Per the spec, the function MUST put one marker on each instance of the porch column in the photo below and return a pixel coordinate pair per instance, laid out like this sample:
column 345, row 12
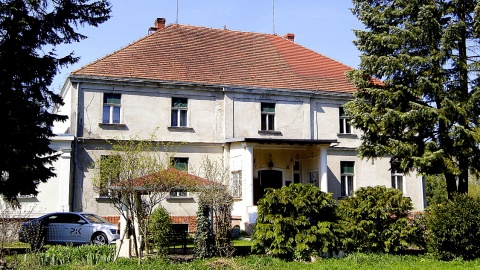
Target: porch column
column 249, row 213
column 323, row 168
column 63, row 176
column 248, row 175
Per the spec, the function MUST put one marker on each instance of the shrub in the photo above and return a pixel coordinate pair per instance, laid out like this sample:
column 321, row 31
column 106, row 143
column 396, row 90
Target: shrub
column 159, row 224
column 204, row 241
column 376, row 219
column 295, row 222
column 453, row 228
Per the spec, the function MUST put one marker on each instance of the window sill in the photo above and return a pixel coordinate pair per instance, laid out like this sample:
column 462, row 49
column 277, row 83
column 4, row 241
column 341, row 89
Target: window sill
column 181, row 129
column 270, row 132
column 348, row 135
column 112, row 125
column 103, row 199
column 180, row 199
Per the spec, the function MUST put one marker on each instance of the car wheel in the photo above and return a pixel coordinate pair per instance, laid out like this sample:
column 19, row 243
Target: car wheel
column 99, row 239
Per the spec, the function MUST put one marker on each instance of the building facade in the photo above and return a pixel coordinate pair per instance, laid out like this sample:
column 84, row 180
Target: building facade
column 269, row 108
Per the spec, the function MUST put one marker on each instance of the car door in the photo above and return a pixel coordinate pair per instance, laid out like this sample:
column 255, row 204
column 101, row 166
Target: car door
column 56, row 230
column 78, row 229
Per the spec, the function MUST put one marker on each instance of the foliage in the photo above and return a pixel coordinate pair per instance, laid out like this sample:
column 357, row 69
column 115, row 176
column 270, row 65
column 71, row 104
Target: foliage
column 158, row 226
column 29, row 33
column 295, row 222
column 425, row 112
column 454, row 228
column 88, row 254
column 376, row 219
column 351, row 261
column 137, row 176
column 215, row 201
column 204, row 241
column 435, row 189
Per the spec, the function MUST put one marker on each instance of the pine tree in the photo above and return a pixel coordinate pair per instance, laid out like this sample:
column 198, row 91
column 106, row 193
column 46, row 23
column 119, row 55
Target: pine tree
column 29, row 32
column 418, row 98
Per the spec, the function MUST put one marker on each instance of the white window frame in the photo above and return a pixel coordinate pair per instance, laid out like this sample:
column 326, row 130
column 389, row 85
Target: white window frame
column 344, row 122
column 236, row 185
column 178, row 111
column 396, row 176
column 347, row 179
column 111, row 107
column 269, row 117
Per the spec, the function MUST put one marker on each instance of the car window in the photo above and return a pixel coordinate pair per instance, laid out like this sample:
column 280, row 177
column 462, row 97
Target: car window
column 95, row 219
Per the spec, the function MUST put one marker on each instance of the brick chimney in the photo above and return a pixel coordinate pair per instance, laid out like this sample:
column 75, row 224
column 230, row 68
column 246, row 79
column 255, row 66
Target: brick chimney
column 159, row 24
column 290, row 37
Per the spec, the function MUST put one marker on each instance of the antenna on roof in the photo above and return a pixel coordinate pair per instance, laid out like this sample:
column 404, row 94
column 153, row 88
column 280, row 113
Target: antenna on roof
column 273, row 8
column 176, row 19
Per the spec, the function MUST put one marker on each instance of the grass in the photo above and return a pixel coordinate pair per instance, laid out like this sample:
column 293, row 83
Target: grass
column 242, row 260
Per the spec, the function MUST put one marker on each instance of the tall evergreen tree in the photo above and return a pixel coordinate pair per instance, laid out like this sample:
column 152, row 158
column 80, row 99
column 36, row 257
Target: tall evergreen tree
column 418, row 99
column 29, row 32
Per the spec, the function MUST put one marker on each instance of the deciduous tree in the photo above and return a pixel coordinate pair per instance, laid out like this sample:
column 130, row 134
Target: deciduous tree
column 418, row 95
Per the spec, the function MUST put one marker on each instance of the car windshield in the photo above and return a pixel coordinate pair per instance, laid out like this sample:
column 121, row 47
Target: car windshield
column 95, row 219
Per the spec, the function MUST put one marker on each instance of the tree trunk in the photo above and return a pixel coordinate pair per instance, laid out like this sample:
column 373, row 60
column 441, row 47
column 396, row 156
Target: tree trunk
column 451, row 185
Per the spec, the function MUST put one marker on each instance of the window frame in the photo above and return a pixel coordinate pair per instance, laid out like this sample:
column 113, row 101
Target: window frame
column 344, row 122
column 395, row 183
column 347, row 178
column 111, row 108
column 179, row 112
column 267, row 118
column 236, row 185
column 102, row 160
column 179, row 193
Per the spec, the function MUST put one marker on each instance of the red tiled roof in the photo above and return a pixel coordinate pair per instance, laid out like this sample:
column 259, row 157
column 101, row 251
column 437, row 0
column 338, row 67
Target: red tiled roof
column 171, row 178
column 189, row 54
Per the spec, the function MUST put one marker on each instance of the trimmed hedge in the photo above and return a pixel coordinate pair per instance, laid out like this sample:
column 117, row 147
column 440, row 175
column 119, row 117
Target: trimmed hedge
column 295, row 222
column 376, row 219
column 454, row 228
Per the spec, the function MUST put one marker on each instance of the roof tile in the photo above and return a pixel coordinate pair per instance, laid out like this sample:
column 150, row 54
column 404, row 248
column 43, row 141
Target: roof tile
column 181, row 53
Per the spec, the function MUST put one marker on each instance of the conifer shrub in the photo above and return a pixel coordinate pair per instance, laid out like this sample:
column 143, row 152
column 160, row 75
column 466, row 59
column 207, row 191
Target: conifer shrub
column 204, row 240
column 376, row 219
column 453, row 228
column 295, row 222
column 159, row 224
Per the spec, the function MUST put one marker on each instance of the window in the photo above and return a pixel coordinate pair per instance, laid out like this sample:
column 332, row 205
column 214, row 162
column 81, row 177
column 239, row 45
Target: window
column 180, row 164
column 268, row 116
column 312, row 178
column 397, row 180
column 347, row 173
column 179, row 112
column 109, row 173
column 236, row 188
column 111, row 108
column 344, row 122
column 296, row 172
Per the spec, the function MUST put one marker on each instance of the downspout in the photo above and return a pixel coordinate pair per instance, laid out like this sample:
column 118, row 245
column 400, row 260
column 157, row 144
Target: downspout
column 74, row 153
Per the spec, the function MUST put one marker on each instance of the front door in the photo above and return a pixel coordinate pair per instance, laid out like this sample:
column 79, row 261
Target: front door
column 266, row 179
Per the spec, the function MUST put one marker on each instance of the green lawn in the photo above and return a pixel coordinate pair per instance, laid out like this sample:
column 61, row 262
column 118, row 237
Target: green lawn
column 244, row 260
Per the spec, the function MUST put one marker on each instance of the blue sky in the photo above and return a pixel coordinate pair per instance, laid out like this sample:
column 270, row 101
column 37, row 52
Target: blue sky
column 324, row 26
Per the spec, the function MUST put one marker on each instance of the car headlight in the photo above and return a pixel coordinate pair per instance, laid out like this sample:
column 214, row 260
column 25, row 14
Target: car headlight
column 113, row 231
